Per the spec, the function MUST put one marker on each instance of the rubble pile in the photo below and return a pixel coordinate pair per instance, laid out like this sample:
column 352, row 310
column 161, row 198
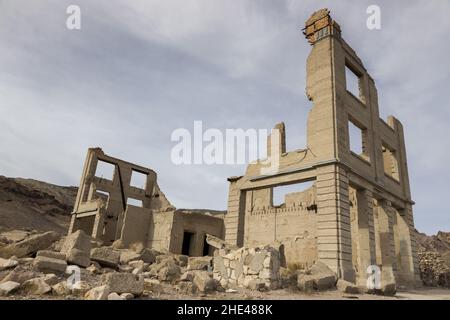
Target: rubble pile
column 433, row 269
column 45, row 265
column 434, row 259
column 253, row 268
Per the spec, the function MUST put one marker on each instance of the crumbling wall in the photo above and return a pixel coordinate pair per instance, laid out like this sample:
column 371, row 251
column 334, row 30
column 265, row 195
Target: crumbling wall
column 292, row 225
column 253, row 268
column 160, row 230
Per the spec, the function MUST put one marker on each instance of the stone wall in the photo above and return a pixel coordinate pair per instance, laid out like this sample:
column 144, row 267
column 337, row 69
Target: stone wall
column 254, row 268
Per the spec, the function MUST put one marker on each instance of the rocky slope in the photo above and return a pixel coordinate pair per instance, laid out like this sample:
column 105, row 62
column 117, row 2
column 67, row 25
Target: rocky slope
column 35, row 205
column 434, row 258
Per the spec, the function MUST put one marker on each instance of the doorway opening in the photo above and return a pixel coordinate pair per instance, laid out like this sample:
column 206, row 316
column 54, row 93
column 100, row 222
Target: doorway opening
column 187, row 243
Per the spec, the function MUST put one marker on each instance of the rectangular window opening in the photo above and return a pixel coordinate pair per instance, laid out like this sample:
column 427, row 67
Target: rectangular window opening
column 353, row 82
column 357, row 140
column 105, row 170
column 390, row 162
column 138, row 179
column 135, row 202
column 283, row 195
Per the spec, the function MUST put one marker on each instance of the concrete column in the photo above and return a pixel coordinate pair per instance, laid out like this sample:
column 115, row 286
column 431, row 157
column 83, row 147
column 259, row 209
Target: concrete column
column 334, row 242
column 365, row 235
column 384, row 242
column 235, row 217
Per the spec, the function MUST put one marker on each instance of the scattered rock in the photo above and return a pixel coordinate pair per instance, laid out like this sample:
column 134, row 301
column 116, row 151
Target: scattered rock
column 170, row 273
column 204, row 282
column 149, row 255
column 115, row 296
column 305, row 283
column 153, row 285
column 389, row 289
column 8, row 287
column 324, row 277
column 127, row 256
column 50, row 265
column 36, row 286
column 7, row 264
column 14, row 235
column 98, row 293
column 127, row 296
column 187, row 276
column 51, row 254
column 433, row 269
column 29, row 245
column 50, row 279
column 61, row 289
column 20, row 275
column 215, row 242
column 186, row 287
column 106, row 256
column 94, row 268
column 347, row 287
column 126, row 268
column 181, row 260
column 138, row 266
column 200, row 263
column 124, row 283
column 80, row 288
column 77, row 248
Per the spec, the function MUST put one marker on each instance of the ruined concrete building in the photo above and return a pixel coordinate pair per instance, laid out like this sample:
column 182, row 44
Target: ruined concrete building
column 117, row 209
column 358, row 211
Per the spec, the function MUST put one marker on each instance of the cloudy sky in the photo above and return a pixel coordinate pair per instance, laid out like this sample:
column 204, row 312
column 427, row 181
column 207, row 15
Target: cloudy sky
column 139, row 69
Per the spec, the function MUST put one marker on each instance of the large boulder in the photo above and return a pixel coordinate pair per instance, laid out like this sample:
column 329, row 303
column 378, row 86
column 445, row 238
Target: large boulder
column 20, row 274
column 61, row 289
column 347, row 287
column 29, row 245
column 98, row 293
column 14, row 235
column 128, row 255
column 8, row 287
column 7, row 264
column 324, row 277
column 169, row 273
column 305, row 283
column 149, row 255
column 204, row 282
column 50, row 262
column 36, row 286
column 153, row 285
column 115, row 296
column 77, row 248
column 124, row 283
column 200, row 263
column 106, row 257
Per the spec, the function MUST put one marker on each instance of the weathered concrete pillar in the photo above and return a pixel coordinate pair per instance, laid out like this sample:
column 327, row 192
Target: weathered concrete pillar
column 365, row 235
column 384, row 242
column 333, row 221
column 406, row 249
column 235, row 217
column 278, row 136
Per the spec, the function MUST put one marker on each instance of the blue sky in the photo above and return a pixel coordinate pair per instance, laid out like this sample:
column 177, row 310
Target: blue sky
column 137, row 70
